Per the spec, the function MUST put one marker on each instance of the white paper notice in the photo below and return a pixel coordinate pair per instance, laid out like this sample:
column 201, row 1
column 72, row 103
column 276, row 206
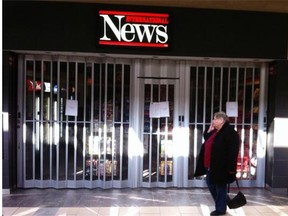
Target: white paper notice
column 159, row 109
column 154, row 112
column 232, row 109
column 164, row 109
column 71, row 108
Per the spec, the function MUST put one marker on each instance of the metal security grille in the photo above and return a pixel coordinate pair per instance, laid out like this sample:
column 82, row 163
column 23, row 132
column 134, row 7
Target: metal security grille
column 76, row 120
column 76, row 114
column 210, row 89
column 158, row 135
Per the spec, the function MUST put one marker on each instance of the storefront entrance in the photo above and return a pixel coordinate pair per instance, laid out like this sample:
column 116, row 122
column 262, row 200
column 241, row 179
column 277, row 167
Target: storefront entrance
column 115, row 123
column 158, row 140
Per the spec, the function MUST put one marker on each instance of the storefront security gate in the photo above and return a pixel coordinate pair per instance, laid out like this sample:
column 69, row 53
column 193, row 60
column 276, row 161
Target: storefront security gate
column 75, row 119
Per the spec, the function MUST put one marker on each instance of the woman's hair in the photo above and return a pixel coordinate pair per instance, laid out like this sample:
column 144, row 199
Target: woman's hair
column 222, row 115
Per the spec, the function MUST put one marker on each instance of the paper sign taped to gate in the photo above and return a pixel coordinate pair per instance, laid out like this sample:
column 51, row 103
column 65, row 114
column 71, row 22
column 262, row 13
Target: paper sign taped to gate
column 232, row 109
column 71, row 108
column 159, row 109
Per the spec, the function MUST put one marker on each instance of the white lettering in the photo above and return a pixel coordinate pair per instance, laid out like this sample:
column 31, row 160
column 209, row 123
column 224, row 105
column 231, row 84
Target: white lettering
column 152, row 30
column 127, row 29
column 112, row 26
column 161, row 32
column 146, row 31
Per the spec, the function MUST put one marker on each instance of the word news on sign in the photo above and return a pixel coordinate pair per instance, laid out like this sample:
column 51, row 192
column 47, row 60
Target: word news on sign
column 134, row 29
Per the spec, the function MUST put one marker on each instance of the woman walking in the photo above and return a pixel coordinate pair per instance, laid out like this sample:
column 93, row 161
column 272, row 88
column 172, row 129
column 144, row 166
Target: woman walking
column 218, row 159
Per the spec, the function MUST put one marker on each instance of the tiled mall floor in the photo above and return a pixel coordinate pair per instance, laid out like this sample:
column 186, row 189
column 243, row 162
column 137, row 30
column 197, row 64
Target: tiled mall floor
column 139, row 202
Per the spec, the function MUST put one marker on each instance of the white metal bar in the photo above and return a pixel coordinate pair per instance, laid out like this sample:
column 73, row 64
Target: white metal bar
column 67, row 126
column 25, row 121
column 122, row 121
column 166, row 135
column 41, row 121
column 100, row 118
column 237, row 92
column 212, row 93
column 113, row 124
column 91, row 140
column 228, row 83
column 75, row 122
column 196, row 115
column 221, row 89
column 196, row 96
column 158, row 136
column 150, row 137
column 204, row 98
column 51, row 121
column 59, row 132
column 84, row 121
column 34, row 117
column 105, row 121
column 243, row 122
column 251, row 132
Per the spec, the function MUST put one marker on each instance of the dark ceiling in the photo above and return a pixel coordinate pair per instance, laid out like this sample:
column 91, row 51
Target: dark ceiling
column 279, row 6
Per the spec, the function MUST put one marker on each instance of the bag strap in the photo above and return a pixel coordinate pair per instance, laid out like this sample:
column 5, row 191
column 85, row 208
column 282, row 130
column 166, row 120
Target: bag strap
column 237, row 186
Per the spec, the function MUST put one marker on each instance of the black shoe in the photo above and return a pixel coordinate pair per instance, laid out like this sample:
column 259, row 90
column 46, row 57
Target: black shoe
column 217, row 213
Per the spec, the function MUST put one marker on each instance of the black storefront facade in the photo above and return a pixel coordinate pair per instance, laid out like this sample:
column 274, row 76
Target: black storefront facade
column 115, row 96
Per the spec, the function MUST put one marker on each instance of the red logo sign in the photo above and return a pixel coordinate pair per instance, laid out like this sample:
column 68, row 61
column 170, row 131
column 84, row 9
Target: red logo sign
column 134, row 29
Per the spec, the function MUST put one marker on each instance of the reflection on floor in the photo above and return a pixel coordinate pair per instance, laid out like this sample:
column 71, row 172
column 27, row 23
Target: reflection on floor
column 139, row 202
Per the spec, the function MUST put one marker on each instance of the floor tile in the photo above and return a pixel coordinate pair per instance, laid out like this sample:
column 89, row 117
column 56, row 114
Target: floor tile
column 135, row 202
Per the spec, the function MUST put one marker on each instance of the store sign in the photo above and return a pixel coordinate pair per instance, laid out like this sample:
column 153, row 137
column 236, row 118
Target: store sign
column 134, row 29
column 37, row 86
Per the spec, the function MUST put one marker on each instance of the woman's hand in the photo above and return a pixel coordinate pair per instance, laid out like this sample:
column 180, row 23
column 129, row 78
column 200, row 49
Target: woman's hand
column 211, row 128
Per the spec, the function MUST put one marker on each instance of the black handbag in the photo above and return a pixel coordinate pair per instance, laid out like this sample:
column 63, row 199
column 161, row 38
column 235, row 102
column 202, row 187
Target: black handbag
column 238, row 201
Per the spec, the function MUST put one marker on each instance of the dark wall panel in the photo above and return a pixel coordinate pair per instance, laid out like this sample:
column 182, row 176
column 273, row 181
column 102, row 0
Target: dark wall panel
column 56, row 26
column 10, row 106
column 276, row 158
